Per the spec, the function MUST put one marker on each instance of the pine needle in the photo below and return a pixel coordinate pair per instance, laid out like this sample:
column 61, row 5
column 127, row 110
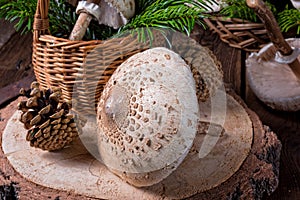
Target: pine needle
column 239, row 9
column 179, row 15
column 288, row 19
column 19, row 12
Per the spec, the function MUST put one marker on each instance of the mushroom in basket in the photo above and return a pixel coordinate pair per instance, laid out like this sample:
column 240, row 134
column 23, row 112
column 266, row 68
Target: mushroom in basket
column 113, row 13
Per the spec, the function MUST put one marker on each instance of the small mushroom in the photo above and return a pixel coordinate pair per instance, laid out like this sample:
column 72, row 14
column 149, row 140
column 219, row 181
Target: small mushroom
column 147, row 117
column 23, row 92
column 35, row 120
column 57, row 114
column 55, row 97
column 27, row 116
column 274, row 72
column 113, row 13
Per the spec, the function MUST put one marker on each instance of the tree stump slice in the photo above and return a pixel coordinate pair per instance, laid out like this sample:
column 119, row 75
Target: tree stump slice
column 75, row 170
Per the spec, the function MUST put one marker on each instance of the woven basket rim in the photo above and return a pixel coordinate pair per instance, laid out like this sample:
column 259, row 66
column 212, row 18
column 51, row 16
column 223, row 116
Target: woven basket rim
column 239, row 33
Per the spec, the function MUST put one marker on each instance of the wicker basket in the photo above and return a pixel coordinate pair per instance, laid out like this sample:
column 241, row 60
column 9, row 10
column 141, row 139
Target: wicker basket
column 238, row 33
column 61, row 62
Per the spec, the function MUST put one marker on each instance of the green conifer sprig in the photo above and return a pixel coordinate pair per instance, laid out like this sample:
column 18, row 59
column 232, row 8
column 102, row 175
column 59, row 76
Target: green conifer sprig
column 62, row 17
column 239, row 9
column 288, row 19
column 21, row 12
column 178, row 15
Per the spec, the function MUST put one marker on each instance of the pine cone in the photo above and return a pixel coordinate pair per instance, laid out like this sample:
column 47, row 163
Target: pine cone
column 46, row 117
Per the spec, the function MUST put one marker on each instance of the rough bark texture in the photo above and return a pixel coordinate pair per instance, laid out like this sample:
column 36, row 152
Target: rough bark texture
column 286, row 126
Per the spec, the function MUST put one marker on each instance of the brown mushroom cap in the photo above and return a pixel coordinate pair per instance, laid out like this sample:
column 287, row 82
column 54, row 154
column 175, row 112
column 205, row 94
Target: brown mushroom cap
column 273, row 83
column 147, row 114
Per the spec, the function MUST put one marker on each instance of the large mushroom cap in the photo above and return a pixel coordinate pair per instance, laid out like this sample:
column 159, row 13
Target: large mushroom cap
column 147, row 115
column 273, row 83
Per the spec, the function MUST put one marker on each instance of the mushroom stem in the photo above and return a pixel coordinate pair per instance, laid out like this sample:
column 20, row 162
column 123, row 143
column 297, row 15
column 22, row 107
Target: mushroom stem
column 274, row 32
column 82, row 23
column 80, row 27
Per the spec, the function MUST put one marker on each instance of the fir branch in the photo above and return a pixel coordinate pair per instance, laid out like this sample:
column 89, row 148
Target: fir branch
column 62, row 17
column 19, row 12
column 178, row 15
column 141, row 5
column 239, row 9
column 288, row 19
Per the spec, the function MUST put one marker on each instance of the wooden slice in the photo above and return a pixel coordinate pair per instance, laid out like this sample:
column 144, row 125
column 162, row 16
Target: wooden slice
column 243, row 163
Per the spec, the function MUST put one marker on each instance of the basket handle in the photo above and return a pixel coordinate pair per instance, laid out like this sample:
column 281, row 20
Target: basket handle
column 41, row 21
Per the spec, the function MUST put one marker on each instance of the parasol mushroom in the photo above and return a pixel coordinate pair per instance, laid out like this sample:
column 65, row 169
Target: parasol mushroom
column 147, row 116
column 113, row 13
column 274, row 72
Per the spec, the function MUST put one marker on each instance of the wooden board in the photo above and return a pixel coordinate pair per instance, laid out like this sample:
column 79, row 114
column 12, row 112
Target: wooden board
column 86, row 176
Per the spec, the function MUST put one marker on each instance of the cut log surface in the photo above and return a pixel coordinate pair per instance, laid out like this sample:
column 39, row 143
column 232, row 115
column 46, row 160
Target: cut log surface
column 74, row 171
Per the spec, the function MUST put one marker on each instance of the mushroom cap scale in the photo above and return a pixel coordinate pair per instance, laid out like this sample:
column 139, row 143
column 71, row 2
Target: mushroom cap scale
column 147, row 114
column 125, row 7
column 116, row 13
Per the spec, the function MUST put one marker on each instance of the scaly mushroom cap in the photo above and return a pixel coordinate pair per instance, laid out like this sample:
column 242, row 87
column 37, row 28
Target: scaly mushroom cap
column 116, row 13
column 147, row 116
column 272, row 82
